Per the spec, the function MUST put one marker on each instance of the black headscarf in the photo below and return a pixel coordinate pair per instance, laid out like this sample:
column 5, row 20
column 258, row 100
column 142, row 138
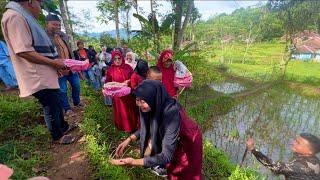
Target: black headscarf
column 152, row 123
column 142, row 68
column 313, row 140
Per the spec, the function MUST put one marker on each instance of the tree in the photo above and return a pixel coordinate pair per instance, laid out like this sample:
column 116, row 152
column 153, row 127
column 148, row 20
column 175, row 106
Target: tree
column 136, row 7
column 195, row 15
column 292, row 14
column 107, row 40
column 152, row 29
column 153, row 19
column 182, row 8
column 66, row 22
column 125, row 10
column 109, row 10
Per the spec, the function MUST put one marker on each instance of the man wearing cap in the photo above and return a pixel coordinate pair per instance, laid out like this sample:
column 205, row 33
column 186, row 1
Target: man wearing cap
column 60, row 39
column 35, row 62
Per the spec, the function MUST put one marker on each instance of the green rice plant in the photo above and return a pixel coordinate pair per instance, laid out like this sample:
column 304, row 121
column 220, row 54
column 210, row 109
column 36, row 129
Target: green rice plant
column 244, row 174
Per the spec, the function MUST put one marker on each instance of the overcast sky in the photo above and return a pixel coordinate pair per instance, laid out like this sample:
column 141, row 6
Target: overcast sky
column 206, row 8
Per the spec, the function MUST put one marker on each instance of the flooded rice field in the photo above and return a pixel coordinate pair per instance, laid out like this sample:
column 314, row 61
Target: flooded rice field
column 227, row 87
column 274, row 117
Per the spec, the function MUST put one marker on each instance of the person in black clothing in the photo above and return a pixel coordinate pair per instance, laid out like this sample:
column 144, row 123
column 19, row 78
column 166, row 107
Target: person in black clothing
column 82, row 54
column 61, row 41
column 92, row 54
column 304, row 166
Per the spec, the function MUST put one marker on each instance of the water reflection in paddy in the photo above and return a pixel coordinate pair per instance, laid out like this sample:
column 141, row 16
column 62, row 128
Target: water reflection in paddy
column 283, row 116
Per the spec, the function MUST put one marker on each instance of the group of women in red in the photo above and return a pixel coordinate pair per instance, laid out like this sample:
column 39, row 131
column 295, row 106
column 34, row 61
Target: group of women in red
column 151, row 114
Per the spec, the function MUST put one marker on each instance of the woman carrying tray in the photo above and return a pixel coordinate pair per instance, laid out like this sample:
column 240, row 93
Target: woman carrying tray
column 125, row 112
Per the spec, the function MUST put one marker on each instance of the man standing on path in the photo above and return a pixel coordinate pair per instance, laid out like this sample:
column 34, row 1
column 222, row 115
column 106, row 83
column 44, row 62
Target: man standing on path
column 7, row 73
column 34, row 60
column 60, row 40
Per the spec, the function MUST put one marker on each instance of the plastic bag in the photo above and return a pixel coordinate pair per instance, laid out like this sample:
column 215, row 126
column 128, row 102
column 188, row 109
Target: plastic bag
column 182, row 77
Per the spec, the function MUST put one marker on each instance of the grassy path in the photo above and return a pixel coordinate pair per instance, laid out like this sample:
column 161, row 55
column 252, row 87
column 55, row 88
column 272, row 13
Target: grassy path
column 70, row 161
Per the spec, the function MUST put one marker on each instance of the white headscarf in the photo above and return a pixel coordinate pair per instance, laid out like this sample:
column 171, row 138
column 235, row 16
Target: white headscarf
column 133, row 63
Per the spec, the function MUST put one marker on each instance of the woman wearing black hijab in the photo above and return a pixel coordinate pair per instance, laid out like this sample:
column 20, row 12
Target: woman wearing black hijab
column 140, row 73
column 168, row 138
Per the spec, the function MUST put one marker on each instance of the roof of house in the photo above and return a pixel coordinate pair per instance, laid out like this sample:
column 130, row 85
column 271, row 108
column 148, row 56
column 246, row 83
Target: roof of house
column 308, row 43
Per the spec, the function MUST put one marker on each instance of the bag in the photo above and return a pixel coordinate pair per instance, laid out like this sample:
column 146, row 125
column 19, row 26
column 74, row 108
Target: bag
column 182, row 77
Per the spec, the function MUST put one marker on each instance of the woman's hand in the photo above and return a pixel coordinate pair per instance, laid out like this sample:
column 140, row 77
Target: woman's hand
column 117, row 162
column 126, row 82
column 122, row 162
column 127, row 162
column 250, row 144
column 121, row 147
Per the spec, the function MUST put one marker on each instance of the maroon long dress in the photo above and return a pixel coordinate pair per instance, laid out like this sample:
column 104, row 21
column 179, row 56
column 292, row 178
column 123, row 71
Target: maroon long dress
column 167, row 74
column 187, row 159
column 125, row 111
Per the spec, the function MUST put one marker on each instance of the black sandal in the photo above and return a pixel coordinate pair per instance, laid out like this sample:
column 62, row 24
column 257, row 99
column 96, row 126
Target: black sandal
column 71, row 128
column 66, row 139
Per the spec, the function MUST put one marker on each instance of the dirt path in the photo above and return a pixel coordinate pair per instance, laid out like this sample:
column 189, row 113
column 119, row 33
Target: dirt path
column 70, row 161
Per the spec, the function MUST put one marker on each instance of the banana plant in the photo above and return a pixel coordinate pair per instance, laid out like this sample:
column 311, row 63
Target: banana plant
column 181, row 54
column 156, row 31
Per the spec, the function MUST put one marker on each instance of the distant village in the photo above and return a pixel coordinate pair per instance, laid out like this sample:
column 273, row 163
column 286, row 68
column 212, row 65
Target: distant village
column 307, row 46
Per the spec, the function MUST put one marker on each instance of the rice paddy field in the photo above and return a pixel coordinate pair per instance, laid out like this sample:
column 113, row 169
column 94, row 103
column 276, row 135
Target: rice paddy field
column 274, row 115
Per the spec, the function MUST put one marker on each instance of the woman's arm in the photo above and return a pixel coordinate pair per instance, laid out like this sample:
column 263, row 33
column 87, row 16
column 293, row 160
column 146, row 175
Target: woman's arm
column 124, row 144
column 137, row 134
column 169, row 142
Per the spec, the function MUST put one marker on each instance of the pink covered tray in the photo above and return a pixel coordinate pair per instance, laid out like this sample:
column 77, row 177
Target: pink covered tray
column 115, row 89
column 77, row 66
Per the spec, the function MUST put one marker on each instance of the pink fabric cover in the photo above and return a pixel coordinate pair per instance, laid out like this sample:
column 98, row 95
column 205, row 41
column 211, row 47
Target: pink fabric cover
column 115, row 89
column 186, row 81
column 5, row 172
column 77, row 66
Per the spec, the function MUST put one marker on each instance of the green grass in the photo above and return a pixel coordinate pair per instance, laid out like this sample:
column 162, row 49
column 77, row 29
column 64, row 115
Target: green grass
column 217, row 165
column 23, row 141
column 258, row 53
column 262, row 62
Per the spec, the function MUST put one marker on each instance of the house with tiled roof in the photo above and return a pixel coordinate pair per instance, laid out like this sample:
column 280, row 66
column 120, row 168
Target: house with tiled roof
column 307, row 47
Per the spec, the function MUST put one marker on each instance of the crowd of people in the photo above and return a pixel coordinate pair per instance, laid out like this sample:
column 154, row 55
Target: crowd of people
column 170, row 141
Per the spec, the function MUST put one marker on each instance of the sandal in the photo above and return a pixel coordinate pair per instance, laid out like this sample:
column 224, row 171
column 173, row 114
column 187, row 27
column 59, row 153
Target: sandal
column 71, row 128
column 66, row 139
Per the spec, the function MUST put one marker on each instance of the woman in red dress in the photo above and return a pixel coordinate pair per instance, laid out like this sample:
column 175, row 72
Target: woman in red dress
column 140, row 74
column 125, row 112
column 165, row 64
column 168, row 137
